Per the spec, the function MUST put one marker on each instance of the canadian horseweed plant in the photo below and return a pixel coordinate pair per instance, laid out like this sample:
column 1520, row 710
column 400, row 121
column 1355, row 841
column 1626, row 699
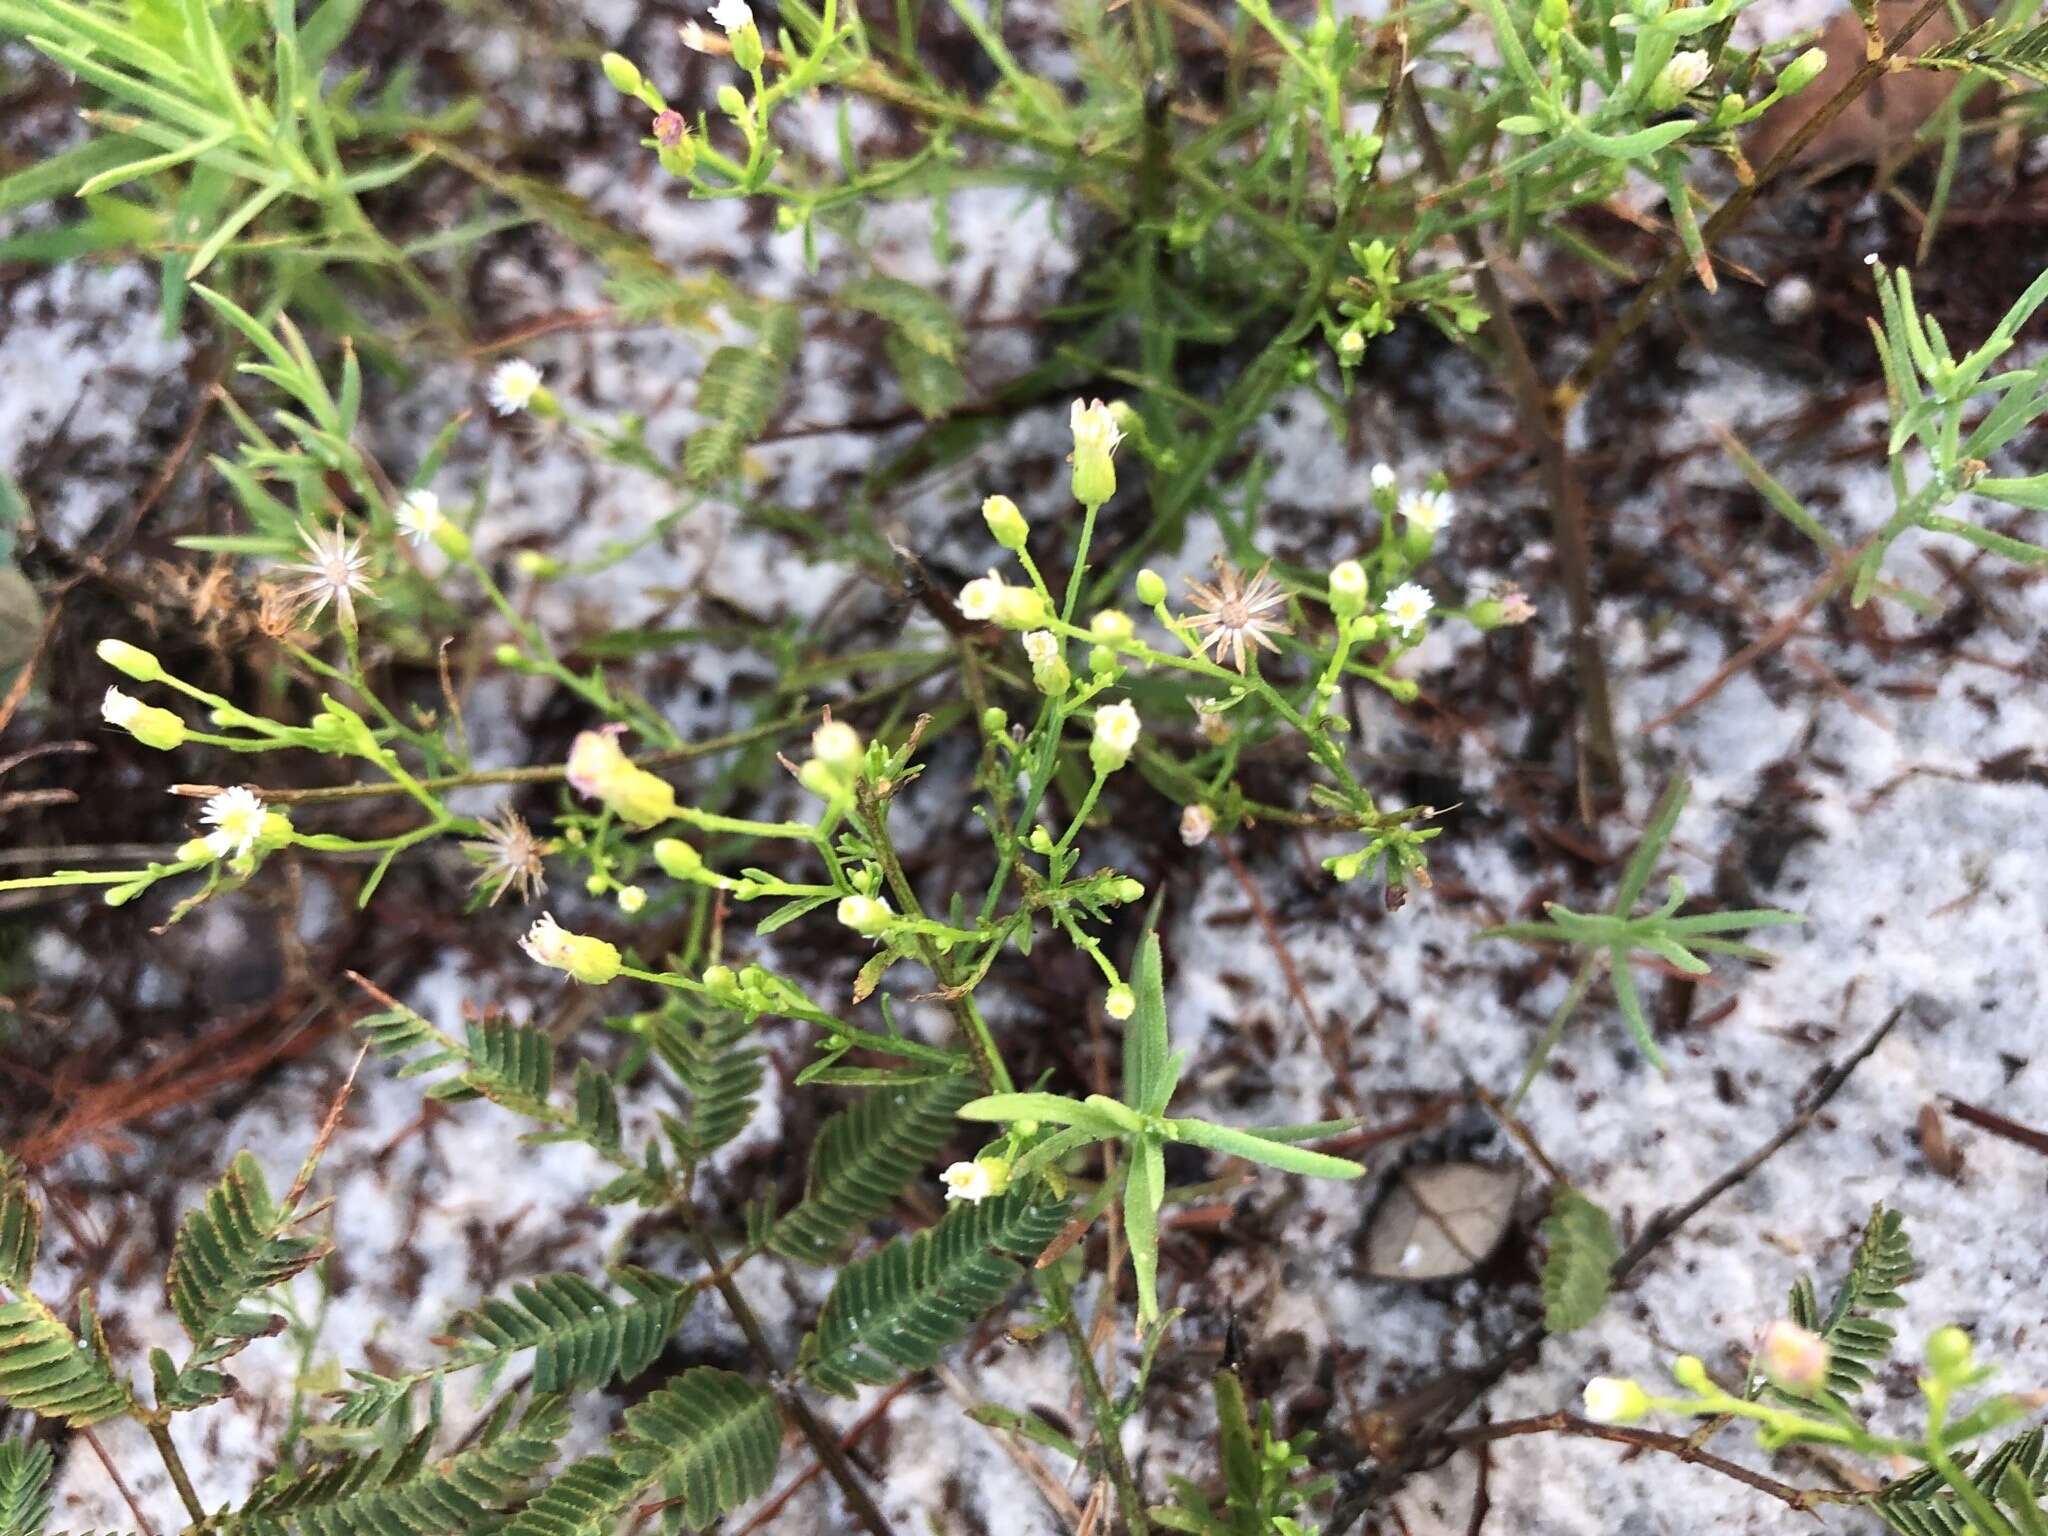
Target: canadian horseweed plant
column 1266, row 218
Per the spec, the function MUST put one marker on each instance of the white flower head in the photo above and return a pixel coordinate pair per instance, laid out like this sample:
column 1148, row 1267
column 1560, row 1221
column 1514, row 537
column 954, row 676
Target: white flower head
column 419, row 516
column 1196, row 823
column 1383, row 477
column 732, row 15
column 1042, row 647
column 514, row 383
column 982, row 598
column 1686, row 71
column 331, row 572
column 1117, row 726
column 837, row 743
column 547, row 941
column 1428, row 511
column 120, row 709
column 1614, row 1400
column 236, row 816
column 1407, row 606
column 971, row 1182
column 865, row 915
column 1095, row 429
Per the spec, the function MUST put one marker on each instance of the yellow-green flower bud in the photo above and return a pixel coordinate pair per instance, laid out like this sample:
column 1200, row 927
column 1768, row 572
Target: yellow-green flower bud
column 838, row 745
column 1022, row 608
column 732, row 103
column 153, row 727
column 591, row 961
column 536, row 566
column 1116, row 735
column 720, row 979
column 1005, row 523
column 865, row 915
column 1121, row 1002
column 678, row 860
column 1096, row 435
column 1802, row 72
column 623, row 73
column 130, row 659
column 1111, row 626
column 1949, row 1354
column 1348, row 589
column 1151, row 588
column 1615, row 1400
column 1126, row 890
column 1101, row 660
column 747, row 51
column 995, row 720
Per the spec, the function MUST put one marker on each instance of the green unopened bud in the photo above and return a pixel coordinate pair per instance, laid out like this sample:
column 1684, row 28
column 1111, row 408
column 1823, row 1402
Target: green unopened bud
column 506, row 654
column 591, row 961
column 1615, row 1400
column 1348, row 589
column 1040, row 841
column 995, row 720
column 1802, row 72
column 678, row 860
column 132, row 660
column 732, row 103
column 1126, row 890
column 623, row 73
column 1101, row 660
column 1096, row 434
column 1022, row 608
column 1552, row 17
column 1005, row 523
column 1684, row 74
column 822, row 779
column 865, row 915
column 1690, row 1372
column 1111, row 626
column 1949, row 1354
column 153, row 727
column 535, row 566
column 720, row 979
column 1151, row 588
column 747, row 51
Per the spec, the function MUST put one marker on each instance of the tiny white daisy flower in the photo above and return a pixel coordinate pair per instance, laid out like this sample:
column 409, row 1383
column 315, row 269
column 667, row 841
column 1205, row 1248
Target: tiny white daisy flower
column 419, row 516
column 1686, row 72
column 1383, row 477
column 120, row 709
column 1407, row 606
column 982, row 598
column 1042, row 647
column 1094, row 427
column 236, row 816
column 331, row 572
column 732, row 15
column 1428, row 511
column 1120, row 1002
column 1116, row 734
column 976, row 1181
column 514, row 383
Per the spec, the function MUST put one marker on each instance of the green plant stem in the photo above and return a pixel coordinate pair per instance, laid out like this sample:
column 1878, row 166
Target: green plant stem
column 159, row 1428
column 1100, row 1408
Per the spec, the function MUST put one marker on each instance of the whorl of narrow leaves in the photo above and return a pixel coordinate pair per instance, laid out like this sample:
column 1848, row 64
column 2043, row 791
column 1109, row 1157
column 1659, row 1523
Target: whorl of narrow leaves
column 231, row 1248
column 581, row 1338
column 46, row 1370
column 1582, row 1252
column 863, row 1158
column 401, row 1492
column 720, row 1075
column 1859, row 1343
column 21, row 1227
column 896, row 1310
column 738, row 393
column 2014, row 1477
column 24, row 1488
column 2013, row 49
column 711, row 1437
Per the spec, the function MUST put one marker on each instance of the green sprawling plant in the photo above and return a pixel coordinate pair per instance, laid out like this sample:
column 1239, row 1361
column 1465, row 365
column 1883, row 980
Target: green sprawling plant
column 1264, row 215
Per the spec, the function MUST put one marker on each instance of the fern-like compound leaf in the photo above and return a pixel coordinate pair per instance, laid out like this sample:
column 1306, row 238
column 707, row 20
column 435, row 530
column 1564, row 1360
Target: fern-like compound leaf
column 233, row 1247
column 1582, row 1253
column 47, row 1370
column 709, row 1437
column 738, row 393
column 404, row 1492
column 2010, row 1477
column 1858, row 1342
column 896, row 1310
column 24, row 1488
column 719, row 1073
column 581, row 1338
column 863, row 1158
column 21, row 1227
